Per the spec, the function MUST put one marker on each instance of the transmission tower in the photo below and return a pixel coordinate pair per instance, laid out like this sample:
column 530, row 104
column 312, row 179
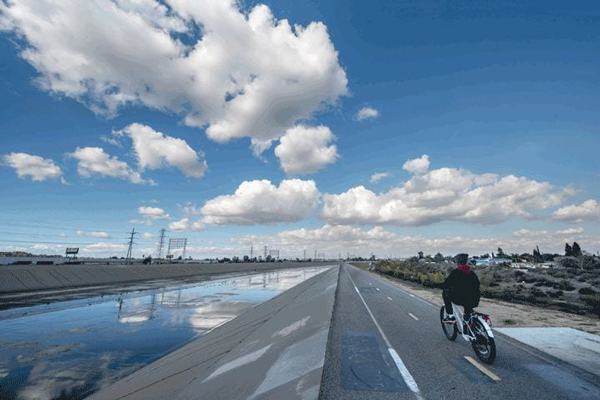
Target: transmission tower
column 265, row 252
column 161, row 242
column 251, row 251
column 131, row 243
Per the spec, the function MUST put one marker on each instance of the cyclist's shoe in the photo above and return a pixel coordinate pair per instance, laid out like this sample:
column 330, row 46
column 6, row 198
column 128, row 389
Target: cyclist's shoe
column 449, row 319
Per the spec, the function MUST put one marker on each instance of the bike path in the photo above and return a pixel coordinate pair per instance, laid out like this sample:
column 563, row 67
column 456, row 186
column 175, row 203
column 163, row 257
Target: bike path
column 438, row 366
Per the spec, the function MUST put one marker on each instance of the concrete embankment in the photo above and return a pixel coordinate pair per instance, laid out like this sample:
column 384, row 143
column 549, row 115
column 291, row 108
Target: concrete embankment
column 274, row 351
column 26, row 278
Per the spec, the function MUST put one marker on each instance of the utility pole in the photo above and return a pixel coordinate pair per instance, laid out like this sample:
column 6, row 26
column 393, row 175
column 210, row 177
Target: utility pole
column 265, row 253
column 251, row 251
column 131, row 243
column 305, row 254
column 161, row 242
column 315, row 254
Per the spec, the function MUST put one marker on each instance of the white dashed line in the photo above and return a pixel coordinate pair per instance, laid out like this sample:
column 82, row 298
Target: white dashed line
column 408, row 378
column 377, row 289
column 413, row 317
column 389, row 298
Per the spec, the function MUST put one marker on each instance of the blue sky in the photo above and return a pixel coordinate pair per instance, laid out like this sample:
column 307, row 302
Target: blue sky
column 485, row 88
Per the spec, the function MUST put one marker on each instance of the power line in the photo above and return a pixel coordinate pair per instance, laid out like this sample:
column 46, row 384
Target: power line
column 131, row 243
column 161, row 242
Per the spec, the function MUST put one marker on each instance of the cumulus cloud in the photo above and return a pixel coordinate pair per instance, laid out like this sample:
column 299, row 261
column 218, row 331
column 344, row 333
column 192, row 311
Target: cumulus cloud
column 100, row 235
column 154, row 150
column 186, row 225
column 570, row 231
column 153, row 213
column 418, row 165
column 378, row 176
column 367, row 112
column 104, row 249
column 238, row 73
column 305, row 149
column 94, row 161
column 588, row 211
column 332, row 240
column 527, row 233
column 38, row 168
column 261, row 202
column 445, row 194
column 148, row 235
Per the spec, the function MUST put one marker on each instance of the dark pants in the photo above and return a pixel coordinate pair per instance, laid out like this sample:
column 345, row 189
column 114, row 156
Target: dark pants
column 448, row 299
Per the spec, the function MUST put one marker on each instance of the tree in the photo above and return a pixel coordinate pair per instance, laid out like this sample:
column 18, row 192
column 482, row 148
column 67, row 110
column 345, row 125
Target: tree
column 576, row 250
column 439, row 257
column 500, row 252
column 568, row 250
column 420, row 255
column 537, row 255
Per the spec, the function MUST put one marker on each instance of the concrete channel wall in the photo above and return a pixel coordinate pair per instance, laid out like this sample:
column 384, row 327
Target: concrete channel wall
column 274, row 351
column 25, row 278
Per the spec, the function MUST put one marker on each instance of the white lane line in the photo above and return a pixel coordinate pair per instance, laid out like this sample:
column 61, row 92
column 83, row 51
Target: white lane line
column 377, row 289
column 411, row 295
column 483, row 369
column 370, row 283
column 408, row 379
column 389, row 298
column 413, row 317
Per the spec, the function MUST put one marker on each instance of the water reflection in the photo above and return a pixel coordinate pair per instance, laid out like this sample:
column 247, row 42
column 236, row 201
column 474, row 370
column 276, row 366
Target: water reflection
column 73, row 351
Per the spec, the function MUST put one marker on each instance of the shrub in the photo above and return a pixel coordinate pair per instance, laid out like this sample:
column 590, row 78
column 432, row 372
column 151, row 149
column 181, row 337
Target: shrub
column 593, row 301
column 555, row 294
column 587, row 290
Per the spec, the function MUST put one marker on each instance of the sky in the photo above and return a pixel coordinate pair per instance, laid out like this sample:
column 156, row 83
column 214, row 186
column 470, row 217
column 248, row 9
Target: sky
column 337, row 127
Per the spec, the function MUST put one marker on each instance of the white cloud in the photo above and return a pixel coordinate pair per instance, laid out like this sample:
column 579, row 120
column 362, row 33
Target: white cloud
column 185, row 225
column 154, row 149
column 100, row 235
column 367, row 112
column 261, row 202
column 248, row 75
column 305, row 149
column 570, row 231
column 378, row 176
column 37, row 167
column 148, row 235
column 526, row 233
column 588, row 211
column 418, row 165
column 445, row 194
column 153, row 213
column 333, row 240
column 104, row 249
column 93, row 161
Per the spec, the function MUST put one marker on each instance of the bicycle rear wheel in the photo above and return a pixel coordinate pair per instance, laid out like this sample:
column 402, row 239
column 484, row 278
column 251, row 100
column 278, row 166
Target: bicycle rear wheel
column 450, row 330
column 483, row 345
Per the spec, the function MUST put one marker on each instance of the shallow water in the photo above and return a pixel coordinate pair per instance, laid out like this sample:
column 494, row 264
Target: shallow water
column 69, row 350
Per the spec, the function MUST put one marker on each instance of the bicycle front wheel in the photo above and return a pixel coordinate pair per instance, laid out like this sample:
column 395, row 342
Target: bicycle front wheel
column 483, row 345
column 450, row 330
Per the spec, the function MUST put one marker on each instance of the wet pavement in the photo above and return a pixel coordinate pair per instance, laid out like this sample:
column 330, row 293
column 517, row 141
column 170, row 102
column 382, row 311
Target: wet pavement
column 70, row 349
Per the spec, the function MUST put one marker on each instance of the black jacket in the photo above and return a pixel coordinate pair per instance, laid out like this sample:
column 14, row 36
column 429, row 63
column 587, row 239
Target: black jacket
column 463, row 288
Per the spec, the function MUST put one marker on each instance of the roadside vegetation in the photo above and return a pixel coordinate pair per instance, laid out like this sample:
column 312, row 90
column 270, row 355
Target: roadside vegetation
column 573, row 285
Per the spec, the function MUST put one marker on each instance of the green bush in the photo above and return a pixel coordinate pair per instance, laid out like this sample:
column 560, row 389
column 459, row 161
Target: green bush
column 586, row 290
column 593, row 301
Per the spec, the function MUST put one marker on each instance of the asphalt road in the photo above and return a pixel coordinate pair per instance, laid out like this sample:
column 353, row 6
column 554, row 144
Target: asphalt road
column 360, row 365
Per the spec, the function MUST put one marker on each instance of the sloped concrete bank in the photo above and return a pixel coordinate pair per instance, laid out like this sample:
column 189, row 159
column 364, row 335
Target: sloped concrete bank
column 29, row 278
column 274, row 351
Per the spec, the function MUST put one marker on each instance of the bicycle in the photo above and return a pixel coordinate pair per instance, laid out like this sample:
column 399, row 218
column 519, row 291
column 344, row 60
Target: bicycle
column 477, row 330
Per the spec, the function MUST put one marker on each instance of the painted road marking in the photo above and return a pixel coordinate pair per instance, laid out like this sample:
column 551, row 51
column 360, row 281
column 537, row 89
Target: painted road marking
column 411, row 295
column 483, row 369
column 389, row 298
column 377, row 289
column 413, row 317
column 370, row 283
column 408, row 378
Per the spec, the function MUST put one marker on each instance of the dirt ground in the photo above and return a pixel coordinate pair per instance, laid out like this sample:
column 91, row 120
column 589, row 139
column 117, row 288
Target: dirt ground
column 506, row 314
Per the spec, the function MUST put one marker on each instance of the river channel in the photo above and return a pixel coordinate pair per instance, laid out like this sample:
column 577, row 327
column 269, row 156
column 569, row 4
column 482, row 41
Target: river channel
column 71, row 349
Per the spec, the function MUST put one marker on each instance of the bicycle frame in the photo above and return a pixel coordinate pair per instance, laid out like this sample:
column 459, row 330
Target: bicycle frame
column 460, row 322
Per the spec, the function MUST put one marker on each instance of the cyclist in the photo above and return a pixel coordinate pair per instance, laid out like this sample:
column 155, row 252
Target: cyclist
column 461, row 287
